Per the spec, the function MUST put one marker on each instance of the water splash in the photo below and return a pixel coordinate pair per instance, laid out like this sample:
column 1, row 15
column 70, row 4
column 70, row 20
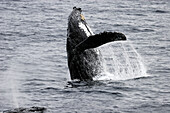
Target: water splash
column 121, row 62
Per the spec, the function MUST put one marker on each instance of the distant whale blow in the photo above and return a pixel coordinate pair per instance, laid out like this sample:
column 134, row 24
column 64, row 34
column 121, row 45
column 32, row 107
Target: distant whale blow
column 84, row 59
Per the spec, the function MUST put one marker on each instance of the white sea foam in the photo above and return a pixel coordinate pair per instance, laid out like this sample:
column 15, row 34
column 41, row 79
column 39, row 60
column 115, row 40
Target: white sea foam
column 121, row 62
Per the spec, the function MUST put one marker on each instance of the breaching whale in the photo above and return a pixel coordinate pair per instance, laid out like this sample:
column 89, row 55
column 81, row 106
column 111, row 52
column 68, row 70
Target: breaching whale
column 84, row 59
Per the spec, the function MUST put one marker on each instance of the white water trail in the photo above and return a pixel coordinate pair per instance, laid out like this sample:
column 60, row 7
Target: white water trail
column 121, row 62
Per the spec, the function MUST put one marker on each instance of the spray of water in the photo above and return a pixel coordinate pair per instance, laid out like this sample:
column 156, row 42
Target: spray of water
column 14, row 94
column 121, row 62
column 12, row 85
column 9, row 84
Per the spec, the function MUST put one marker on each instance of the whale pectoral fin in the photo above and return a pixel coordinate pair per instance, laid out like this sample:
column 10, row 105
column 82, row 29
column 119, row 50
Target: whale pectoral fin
column 99, row 39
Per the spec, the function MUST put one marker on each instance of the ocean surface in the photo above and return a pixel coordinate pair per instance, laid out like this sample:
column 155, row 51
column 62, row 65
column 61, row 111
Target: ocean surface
column 33, row 58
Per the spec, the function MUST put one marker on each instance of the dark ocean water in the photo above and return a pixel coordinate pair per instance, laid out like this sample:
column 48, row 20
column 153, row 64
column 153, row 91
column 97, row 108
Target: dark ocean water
column 33, row 60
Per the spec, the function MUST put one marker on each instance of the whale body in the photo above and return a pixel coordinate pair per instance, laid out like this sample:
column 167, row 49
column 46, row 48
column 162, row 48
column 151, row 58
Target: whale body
column 84, row 59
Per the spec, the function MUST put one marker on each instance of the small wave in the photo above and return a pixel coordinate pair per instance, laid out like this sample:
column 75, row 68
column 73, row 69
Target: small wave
column 50, row 89
column 6, row 34
column 140, row 14
column 44, row 80
column 77, row 83
column 105, row 92
column 117, row 25
column 136, row 30
column 137, row 14
column 34, row 84
column 160, row 11
column 166, row 105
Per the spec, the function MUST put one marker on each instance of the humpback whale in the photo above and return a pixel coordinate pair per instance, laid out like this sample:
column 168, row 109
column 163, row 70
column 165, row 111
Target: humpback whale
column 84, row 59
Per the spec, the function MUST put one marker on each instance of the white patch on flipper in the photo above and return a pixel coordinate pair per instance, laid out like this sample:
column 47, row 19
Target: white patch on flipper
column 85, row 29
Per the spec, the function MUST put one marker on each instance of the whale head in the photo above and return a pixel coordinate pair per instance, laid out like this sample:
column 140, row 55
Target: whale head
column 75, row 17
column 78, row 30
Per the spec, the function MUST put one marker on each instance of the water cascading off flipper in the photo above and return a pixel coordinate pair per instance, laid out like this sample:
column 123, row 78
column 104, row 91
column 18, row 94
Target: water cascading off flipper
column 121, row 62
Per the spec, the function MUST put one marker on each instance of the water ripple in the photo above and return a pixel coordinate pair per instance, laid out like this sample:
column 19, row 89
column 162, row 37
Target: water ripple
column 33, row 59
